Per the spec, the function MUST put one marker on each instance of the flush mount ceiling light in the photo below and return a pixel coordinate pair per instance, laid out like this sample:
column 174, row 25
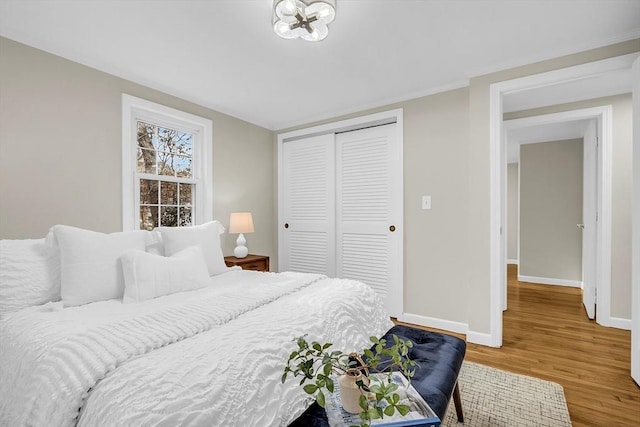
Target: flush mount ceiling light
column 307, row 19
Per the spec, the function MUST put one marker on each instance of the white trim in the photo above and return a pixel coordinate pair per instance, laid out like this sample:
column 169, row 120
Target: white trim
column 635, row 228
column 496, row 208
column 396, row 304
column 132, row 109
column 480, row 338
column 550, row 281
column 497, row 203
column 432, row 322
column 617, row 322
column 512, row 261
column 494, row 68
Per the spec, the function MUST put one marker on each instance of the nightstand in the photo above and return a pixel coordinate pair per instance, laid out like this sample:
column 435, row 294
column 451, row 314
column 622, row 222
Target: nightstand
column 250, row 262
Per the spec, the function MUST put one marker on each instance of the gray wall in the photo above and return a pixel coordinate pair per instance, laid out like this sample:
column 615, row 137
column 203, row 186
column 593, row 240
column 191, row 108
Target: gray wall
column 550, row 208
column 512, row 211
column 435, row 146
column 60, row 151
column 622, row 168
column 446, row 154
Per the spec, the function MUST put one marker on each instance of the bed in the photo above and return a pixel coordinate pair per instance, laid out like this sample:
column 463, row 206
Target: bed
column 211, row 355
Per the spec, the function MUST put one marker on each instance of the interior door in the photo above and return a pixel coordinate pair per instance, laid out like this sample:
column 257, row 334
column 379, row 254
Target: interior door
column 369, row 199
column 589, row 215
column 309, row 205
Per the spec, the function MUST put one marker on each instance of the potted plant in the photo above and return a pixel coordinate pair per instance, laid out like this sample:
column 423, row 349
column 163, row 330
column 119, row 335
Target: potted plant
column 372, row 397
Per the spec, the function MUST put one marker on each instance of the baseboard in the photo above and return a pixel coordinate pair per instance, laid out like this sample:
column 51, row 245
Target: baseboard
column 432, row 322
column 512, row 261
column 616, row 322
column 480, row 338
column 548, row 281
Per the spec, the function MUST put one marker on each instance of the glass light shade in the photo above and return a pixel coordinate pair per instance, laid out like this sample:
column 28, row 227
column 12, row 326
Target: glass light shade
column 241, row 222
column 307, row 19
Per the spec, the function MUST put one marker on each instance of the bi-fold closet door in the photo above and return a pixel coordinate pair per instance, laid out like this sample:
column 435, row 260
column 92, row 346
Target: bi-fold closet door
column 342, row 201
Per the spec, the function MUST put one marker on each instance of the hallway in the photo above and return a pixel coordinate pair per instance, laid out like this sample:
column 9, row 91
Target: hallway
column 548, row 335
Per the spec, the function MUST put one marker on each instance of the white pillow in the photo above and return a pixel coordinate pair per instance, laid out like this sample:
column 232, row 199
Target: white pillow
column 89, row 262
column 29, row 274
column 148, row 276
column 207, row 236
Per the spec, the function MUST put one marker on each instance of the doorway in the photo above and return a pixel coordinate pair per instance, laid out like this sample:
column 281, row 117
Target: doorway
column 588, row 125
column 550, row 82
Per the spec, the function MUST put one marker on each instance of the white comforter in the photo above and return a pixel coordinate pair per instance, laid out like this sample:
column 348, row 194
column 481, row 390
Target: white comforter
column 161, row 362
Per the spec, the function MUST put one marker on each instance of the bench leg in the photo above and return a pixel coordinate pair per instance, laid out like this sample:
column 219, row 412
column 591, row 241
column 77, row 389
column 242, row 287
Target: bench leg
column 458, row 403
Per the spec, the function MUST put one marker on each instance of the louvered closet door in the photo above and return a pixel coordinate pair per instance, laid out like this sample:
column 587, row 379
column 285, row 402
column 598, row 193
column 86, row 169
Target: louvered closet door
column 369, row 197
column 309, row 205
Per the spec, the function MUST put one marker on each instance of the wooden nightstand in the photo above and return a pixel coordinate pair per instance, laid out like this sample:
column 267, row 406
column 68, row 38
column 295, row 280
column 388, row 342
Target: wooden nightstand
column 250, row 262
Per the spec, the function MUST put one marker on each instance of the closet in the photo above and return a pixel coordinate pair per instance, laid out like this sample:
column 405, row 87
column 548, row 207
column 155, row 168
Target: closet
column 341, row 207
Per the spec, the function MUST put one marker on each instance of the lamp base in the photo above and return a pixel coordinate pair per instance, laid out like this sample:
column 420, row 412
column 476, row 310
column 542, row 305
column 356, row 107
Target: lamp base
column 241, row 251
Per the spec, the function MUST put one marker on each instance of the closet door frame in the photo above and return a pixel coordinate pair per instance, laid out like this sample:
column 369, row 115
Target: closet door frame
column 396, row 290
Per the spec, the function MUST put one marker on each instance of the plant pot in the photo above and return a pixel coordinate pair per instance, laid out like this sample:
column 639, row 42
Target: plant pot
column 349, row 391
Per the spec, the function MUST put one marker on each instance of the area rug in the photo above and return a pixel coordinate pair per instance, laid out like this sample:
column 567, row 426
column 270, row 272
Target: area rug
column 491, row 397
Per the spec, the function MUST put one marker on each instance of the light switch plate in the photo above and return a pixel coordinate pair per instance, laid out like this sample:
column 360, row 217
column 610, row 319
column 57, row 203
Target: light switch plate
column 426, row 202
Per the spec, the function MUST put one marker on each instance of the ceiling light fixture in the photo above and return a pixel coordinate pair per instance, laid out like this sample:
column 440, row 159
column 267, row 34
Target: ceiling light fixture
column 307, row 19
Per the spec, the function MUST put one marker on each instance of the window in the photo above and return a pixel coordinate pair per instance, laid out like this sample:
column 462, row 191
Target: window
column 166, row 166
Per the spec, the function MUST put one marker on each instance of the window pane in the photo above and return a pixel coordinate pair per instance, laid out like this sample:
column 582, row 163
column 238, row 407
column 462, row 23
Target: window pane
column 146, row 132
column 148, row 217
column 185, row 217
column 169, row 216
column 146, row 160
column 148, row 192
column 168, row 193
column 182, row 166
column 185, row 194
column 165, row 163
column 184, row 144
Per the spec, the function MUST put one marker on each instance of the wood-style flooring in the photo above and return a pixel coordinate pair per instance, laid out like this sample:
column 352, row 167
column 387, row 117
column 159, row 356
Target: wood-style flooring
column 546, row 334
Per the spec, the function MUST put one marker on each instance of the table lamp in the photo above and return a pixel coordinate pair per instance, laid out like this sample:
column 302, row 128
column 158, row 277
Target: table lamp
column 241, row 222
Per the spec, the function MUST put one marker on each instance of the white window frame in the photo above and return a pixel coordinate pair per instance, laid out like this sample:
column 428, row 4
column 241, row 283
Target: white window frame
column 134, row 109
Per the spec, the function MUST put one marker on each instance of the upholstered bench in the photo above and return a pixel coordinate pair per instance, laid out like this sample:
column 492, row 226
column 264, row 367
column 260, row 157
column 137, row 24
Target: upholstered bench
column 439, row 357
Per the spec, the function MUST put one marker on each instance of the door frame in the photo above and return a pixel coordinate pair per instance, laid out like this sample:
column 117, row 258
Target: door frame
column 604, row 131
column 497, row 167
column 396, row 290
column 635, row 227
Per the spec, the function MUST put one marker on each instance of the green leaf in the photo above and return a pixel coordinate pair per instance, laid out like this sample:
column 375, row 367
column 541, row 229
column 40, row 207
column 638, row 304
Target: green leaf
column 389, row 410
column 395, row 398
column 362, row 402
column 327, row 369
column 403, row 409
column 320, row 398
column 310, row 388
column 284, row 377
column 329, row 384
column 316, row 346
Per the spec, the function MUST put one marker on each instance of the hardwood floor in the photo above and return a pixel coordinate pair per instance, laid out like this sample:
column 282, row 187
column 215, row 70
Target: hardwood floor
column 546, row 334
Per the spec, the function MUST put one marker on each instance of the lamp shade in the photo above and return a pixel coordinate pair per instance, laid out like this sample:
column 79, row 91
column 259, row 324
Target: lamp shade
column 241, row 222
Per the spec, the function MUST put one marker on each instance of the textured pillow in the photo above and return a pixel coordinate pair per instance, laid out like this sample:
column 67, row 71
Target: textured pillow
column 148, row 276
column 90, row 266
column 29, row 274
column 207, row 236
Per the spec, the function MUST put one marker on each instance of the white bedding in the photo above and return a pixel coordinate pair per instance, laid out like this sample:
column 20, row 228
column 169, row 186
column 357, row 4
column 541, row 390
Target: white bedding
column 160, row 362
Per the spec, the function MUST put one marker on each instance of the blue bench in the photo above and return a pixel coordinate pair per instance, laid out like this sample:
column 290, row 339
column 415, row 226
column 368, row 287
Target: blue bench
column 439, row 357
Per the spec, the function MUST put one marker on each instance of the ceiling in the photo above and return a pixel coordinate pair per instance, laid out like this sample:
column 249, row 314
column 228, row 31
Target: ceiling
column 224, row 55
